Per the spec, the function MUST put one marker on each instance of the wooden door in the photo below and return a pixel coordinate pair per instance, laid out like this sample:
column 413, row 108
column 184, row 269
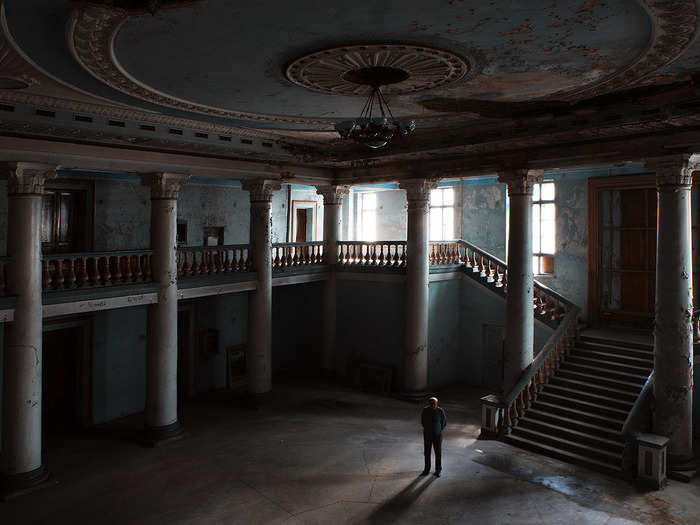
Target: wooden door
column 301, row 225
column 623, row 243
column 63, row 222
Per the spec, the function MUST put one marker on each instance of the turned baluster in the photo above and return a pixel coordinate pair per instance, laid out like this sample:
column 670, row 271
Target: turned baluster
column 82, row 265
column 186, row 267
column 205, row 267
column 178, row 263
column 118, row 265
column 46, row 274
column 195, row 263
column 128, row 274
column 71, row 273
column 227, row 261
column 276, row 259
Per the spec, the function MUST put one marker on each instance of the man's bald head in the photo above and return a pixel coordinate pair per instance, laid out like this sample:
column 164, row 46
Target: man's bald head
column 433, row 401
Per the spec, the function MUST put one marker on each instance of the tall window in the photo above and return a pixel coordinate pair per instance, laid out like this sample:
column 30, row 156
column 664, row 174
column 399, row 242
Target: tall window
column 368, row 216
column 543, row 228
column 442, row 223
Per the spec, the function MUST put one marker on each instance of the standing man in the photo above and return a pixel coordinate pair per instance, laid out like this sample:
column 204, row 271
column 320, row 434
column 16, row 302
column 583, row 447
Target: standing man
column 434, row 422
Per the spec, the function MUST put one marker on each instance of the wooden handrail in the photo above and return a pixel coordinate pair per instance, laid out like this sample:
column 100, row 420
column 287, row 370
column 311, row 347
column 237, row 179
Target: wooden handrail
column 640, row 409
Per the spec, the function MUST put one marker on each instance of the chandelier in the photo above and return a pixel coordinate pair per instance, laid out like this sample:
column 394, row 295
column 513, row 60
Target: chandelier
column 376, row 125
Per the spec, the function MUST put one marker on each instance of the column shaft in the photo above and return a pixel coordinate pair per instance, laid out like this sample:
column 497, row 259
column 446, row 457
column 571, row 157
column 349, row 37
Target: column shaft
column 22, row 398
column 415, row 361
column 161, row 363
column 519, row 330
column 332, row 196
column 259, row 358
column 673, row 335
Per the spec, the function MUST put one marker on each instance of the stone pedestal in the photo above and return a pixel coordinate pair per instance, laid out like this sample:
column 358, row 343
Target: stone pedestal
column 332, row 197
column 520, row 328
column 673, row 335
column 259, row 358
column 161, row 365
column 415, row 359
column 21, row 464
column 651, row 459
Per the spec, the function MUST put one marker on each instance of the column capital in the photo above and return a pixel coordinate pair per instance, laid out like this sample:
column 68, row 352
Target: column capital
column 164, row 185
column 332, row 193
column 27, row 178
column 672, row 170
column 520, row 181
column 418, row 189
column 261, row 189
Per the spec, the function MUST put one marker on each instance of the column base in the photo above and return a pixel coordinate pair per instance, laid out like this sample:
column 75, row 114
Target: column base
column 682, row 468
column 158, row 436
column 16, row 485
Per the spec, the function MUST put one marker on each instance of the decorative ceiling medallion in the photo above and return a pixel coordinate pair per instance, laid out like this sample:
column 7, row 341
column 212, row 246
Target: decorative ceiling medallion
column 339, row 70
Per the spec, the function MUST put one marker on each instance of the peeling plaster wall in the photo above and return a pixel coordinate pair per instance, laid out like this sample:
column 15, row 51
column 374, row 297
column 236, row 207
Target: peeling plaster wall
column 122, row 216
column 483, row 211
column 297, row 320
column 391, row 215
column 371, row 319
column 444, row 334
column 279, row 215
column 202, row 206
column 119, row 363
column 229, row 315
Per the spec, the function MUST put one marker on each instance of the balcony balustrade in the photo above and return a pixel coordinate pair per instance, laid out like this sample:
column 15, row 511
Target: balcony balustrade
column 380, row 253
column 291, row 254
column 68, row 271
column 193, row 261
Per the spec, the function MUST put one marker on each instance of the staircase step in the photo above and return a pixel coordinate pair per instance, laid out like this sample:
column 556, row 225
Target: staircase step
column 612, row 358
column 563, row 455
column 591, row 440
column 605, row 372
column 581, row 415
column 600, row 390
column 616, row 342
column 612, row 349
column 579, row 404
column 603, row 381
column 573, row 424
column 569, row 446
column 609, row 365
column 613, row 402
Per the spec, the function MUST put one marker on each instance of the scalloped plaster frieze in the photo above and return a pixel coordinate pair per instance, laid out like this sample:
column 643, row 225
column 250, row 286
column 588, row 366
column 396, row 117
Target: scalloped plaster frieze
column 674, row 26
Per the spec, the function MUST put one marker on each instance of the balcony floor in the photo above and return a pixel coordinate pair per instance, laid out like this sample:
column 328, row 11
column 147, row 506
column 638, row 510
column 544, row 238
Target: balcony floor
column 322, row 455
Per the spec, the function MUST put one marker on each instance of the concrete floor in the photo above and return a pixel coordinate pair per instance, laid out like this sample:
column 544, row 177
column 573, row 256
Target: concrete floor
column 318, row 455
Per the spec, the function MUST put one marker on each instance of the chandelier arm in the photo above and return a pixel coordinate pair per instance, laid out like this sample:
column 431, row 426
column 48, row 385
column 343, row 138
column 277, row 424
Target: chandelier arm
column 382, row 99
column 366, row 108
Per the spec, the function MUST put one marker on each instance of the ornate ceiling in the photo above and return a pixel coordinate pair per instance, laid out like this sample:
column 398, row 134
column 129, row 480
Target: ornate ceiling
column 269, row 79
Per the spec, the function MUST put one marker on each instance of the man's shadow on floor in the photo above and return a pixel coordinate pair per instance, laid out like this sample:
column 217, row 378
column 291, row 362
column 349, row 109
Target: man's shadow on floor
column 401, row 502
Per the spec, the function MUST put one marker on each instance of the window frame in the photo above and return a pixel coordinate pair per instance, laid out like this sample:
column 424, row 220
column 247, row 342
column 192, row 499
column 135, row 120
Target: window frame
column 540, row 255
column 441, row 207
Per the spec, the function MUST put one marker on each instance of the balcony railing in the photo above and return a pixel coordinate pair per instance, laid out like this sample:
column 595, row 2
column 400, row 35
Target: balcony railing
column 291, row 254
column 193, row 261
column 69, row 271
column 380, row 253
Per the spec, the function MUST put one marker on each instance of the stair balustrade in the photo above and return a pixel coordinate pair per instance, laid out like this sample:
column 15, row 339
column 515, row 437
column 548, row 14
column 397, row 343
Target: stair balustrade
column 291, row 254
column 193, row 261
column 379, row 253
column 445, row 252
column 69, row 271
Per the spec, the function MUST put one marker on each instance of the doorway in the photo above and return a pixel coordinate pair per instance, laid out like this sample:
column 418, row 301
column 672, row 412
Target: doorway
column 303, row 227
column 301, row 220
column 622, row 251
column 65, row 377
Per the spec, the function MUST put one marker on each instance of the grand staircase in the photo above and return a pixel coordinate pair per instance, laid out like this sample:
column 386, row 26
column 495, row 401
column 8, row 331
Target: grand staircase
column 578, row 415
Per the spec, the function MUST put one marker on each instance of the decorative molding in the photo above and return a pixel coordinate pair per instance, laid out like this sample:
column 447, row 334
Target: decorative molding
column 91, row 33
column 418, row 193
column 332, row 194
column 520, row 181
column 672, row 170
column 260, row 189
column 27, row 178
column 674, row 26
column 427, row 68
column 164, row 185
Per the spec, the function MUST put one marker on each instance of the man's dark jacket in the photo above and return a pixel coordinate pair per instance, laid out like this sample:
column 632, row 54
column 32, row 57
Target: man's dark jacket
column 434, row 421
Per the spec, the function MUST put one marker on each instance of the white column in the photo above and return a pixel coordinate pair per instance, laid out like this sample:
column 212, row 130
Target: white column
column 161, row 364
column 520, row 327
column 259, row 358
column 21, row 441
column 415, row 359
column 332, row 197
column 673, row 335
